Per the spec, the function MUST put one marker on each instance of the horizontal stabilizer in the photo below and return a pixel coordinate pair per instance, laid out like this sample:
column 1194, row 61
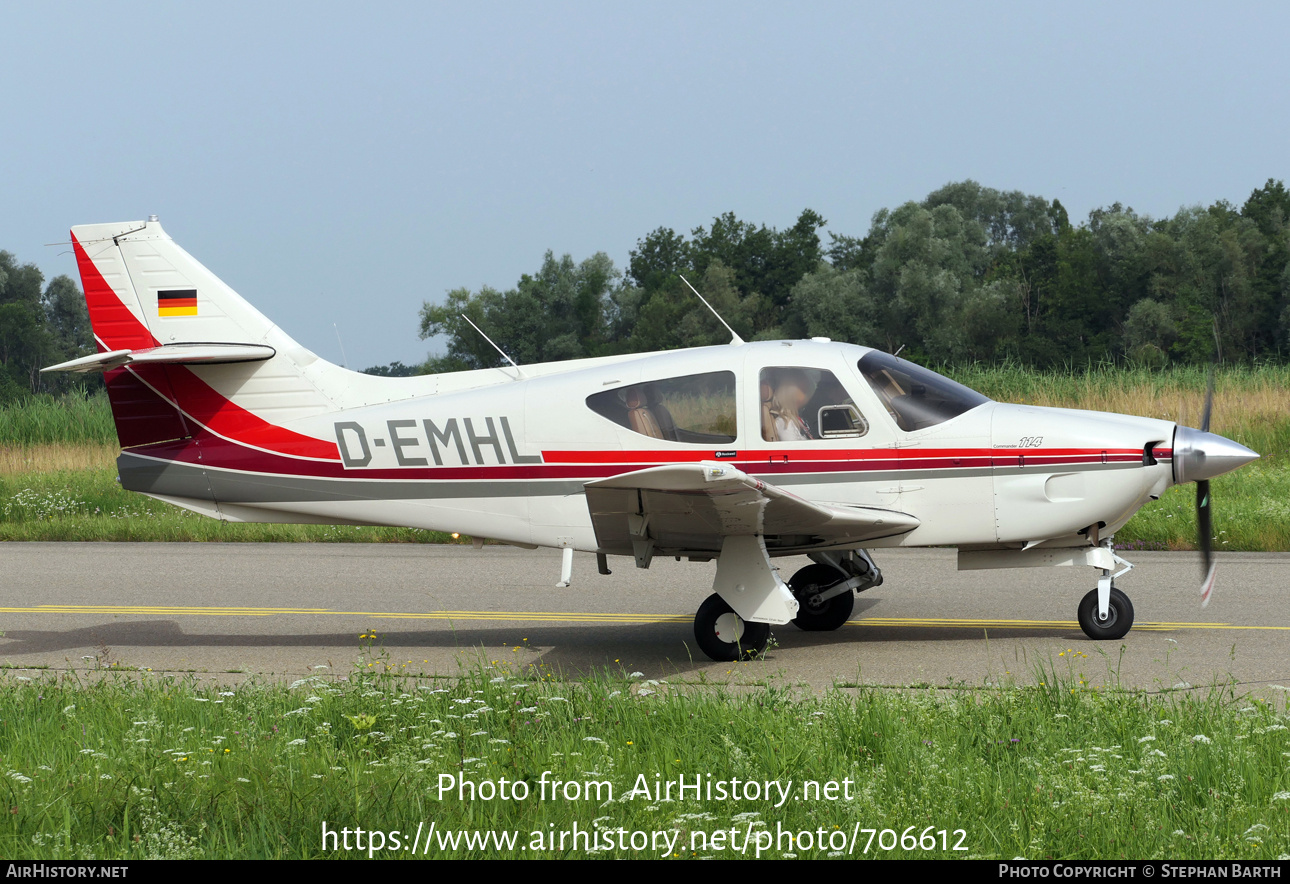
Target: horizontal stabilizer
column 170, row 354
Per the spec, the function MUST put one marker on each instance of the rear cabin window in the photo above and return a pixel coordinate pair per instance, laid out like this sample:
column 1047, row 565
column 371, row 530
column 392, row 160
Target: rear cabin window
column 697, row 408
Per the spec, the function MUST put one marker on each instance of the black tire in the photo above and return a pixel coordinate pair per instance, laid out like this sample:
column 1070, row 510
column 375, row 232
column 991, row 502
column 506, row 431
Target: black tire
column 1119, row 616
column 824, row 617
column 712, row 625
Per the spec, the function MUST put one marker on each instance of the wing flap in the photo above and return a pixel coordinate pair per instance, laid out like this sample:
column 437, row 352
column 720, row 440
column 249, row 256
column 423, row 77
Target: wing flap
column 690, row 508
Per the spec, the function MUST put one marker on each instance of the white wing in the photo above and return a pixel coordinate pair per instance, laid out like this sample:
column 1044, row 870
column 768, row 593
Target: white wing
column 691, row 508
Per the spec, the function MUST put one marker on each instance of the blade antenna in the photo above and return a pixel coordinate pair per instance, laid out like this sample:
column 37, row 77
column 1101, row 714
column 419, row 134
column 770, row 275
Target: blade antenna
column 518, row 370
column 734, row 336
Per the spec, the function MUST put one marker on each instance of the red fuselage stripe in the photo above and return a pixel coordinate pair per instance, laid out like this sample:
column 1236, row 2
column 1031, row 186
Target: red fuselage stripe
column 797, row 455
column 221, row 453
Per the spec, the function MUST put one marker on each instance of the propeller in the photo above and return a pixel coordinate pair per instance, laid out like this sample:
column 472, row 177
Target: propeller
column 1204, row 515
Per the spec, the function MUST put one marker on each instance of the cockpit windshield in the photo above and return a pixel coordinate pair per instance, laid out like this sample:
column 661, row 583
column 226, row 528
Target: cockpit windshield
column 916, row 397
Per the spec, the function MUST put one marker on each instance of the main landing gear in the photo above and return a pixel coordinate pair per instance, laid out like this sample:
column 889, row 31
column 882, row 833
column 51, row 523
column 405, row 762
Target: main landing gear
column 826, row 590
column 818, row 598
column 725, row 636
column 820, row 610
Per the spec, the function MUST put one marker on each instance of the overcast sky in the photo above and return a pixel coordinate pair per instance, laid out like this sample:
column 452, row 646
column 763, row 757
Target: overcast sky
column 343, row 163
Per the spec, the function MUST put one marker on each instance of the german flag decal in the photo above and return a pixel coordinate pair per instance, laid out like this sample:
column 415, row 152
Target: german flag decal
column 177, row 302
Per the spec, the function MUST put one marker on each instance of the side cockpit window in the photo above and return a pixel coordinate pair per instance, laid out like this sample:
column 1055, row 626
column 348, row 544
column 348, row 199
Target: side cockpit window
column 799, row 404
column 914, row 396
column 696, row 408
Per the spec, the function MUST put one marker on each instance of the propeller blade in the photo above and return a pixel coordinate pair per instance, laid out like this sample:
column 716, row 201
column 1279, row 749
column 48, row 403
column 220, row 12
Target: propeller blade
column 1209, row 403
column 1204, row 515
column 1205, row 540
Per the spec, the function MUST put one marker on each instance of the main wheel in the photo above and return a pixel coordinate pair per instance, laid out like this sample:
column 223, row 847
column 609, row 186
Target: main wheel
column 821, row 616
column 1119, row 616
column 725, row 636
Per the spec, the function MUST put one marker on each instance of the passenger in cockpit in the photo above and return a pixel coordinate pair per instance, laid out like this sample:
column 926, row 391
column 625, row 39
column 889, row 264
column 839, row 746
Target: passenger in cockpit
column 792, row 390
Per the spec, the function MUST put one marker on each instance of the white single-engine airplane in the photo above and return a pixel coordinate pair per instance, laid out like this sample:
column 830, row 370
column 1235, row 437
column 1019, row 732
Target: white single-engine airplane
column 737, row 453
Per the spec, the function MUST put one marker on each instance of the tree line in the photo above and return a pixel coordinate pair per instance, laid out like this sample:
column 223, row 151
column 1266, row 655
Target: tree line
column 40, row 325
column 969, row 274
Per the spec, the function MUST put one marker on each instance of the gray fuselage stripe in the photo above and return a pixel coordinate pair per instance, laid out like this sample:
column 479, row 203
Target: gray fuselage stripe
column 174, row 479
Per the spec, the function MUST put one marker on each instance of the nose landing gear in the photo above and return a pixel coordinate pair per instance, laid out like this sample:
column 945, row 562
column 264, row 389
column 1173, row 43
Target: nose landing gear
column 1106, row 613
column 1116, row 623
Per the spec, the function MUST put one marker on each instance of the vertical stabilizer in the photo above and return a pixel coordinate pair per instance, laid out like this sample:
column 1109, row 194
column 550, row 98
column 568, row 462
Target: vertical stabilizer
column 143, row 292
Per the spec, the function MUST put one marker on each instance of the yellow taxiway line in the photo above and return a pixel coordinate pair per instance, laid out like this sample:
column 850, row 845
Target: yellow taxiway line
column 578, row 617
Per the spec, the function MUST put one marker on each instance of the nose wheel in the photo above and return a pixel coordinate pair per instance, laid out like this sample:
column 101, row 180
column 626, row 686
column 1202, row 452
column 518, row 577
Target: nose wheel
column 1118, row 620
column 725, row 636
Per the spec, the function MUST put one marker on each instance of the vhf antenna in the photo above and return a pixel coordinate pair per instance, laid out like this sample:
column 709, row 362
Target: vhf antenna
column 344, row 361
column 735, row 339
column 518, row 370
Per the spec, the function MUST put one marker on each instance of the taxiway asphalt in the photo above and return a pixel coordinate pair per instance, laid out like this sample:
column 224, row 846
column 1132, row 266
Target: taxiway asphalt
column 236, row 611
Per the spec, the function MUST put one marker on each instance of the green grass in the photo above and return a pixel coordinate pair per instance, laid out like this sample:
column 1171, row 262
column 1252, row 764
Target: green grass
column 89, row 505
column 137, row 767
column 46, row 420
column 1251, row 514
